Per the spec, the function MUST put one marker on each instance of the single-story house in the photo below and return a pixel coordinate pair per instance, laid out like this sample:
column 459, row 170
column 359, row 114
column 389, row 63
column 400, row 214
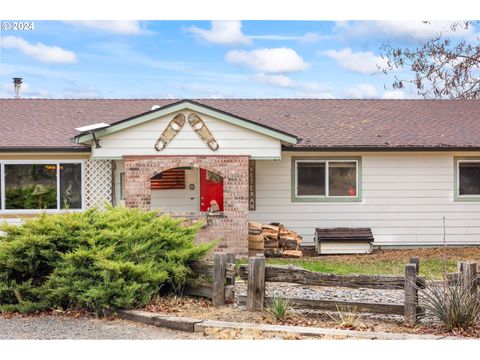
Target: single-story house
column 395, row 166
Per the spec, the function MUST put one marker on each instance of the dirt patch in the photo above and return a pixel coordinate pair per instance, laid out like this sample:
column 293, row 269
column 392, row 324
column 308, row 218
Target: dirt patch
column 248, row 334
column 458, row 253
column 203, row 309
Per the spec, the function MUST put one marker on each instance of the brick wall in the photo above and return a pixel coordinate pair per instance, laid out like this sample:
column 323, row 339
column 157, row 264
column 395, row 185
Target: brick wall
column 231, row 228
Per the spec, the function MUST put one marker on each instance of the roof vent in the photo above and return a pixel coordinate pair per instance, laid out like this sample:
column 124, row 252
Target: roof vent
column 17, row 84
column 155, row 107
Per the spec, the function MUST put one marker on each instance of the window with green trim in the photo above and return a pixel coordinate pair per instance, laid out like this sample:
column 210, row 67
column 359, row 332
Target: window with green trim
column 467, row 179
column 317, row 179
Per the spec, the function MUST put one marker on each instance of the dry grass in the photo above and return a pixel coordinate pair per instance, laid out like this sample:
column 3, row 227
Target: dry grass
column 203, row 309
column 348, row 318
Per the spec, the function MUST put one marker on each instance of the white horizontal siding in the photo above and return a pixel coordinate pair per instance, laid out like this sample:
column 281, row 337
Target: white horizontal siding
column 179, row 200
column 344, row 248
column 232, row 140
column 404, row 198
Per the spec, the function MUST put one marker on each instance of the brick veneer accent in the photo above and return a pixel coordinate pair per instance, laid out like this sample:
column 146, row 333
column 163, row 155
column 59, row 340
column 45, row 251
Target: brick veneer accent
column 231, row 228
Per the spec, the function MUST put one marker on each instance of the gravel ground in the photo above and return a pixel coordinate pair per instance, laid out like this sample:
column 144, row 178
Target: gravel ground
column 290, row 290
column 62, row 327
column 329, row 293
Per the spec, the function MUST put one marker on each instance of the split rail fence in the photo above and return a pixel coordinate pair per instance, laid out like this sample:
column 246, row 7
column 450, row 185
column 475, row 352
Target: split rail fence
column 217, row 279
column 221, row 272
column 257, row 273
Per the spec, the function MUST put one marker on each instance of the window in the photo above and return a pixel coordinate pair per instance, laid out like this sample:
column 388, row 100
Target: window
column 70, row 186
column 32, row 186
column 311, row 178
column 325, row 179
column 467, row 179
column 122, row 186
column 41, row 185
column 342, row 178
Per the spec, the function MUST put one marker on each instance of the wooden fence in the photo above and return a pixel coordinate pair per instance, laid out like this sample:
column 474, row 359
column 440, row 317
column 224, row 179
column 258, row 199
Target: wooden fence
column 466, row 275
column 257, row 274
column 220, row 275
column 218, row 279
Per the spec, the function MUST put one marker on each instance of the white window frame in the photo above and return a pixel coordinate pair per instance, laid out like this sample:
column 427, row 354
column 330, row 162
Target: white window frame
column 35, row 162
column 457, row 190
column 327, row 179
column 121, row 186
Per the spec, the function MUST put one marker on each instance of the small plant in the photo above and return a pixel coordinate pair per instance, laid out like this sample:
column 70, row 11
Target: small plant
column 452, row 304
column 278, row 306
column 347, row 317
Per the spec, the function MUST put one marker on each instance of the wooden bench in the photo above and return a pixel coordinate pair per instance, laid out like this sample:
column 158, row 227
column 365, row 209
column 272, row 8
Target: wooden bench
column 343, row 240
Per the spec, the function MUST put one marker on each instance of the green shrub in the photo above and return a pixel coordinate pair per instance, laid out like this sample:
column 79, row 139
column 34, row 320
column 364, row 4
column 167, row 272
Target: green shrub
column 278, row 306
column 22, row 198
column 452, row 304
column 117, row 258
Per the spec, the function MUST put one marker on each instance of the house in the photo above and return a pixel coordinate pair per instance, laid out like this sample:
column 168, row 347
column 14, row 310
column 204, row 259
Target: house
column 396, row 166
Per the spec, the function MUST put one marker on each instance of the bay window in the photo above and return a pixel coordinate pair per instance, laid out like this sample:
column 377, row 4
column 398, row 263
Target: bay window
column 40, row 185
column 326, row 179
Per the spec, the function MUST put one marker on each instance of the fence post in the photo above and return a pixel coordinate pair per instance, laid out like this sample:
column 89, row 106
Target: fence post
column 411, row 295
column 256, row 283
column 218, row 288
column 415, row 260
column 468, row 276
column 459, row 267
column 231, row 260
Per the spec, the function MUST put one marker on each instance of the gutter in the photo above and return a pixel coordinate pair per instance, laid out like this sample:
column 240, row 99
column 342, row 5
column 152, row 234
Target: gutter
column 23, row 149
column 379, row 148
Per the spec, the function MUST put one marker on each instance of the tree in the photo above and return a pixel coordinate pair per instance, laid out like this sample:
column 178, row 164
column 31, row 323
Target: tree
column 442, row 67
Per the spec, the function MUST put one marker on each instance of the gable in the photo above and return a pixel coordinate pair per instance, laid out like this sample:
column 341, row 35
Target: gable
column 140, row 139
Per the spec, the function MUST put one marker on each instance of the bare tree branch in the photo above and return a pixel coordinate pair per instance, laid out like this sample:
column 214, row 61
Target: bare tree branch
column 441, row 68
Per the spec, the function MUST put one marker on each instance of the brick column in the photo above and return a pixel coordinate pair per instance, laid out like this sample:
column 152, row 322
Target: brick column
column 137, row 186
column 231, row 228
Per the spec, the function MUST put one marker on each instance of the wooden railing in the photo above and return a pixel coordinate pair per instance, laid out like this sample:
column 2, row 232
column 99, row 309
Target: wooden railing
column 220, row 275
column 219, row 279
column 257, row 274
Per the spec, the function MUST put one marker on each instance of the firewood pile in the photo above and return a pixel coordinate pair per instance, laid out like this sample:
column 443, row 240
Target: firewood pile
column 273, row 240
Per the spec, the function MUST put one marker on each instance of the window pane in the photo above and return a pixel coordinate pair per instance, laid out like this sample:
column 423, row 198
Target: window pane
column 122, row 186
column 310, row 178
column 31, row 186
column 71, row 186
column 469, row 174
column 342, row 179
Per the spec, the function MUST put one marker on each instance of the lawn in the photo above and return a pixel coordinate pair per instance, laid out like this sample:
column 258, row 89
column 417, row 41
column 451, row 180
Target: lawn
column 388, row 262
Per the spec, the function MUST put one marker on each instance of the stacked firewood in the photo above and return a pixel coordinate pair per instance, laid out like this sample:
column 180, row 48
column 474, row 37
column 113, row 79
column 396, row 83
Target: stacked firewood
column 273, row 240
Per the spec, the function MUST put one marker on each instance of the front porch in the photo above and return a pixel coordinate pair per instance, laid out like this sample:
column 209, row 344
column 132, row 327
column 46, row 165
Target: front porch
column 229, row 225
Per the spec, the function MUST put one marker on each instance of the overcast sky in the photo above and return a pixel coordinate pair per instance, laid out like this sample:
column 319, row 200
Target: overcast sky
column 206, row 59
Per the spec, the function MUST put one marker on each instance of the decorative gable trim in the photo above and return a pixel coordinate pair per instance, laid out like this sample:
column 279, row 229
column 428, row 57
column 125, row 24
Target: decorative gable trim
column 191, row 106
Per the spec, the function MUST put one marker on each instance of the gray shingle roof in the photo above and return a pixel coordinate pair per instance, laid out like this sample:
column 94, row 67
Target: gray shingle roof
column 385, row 124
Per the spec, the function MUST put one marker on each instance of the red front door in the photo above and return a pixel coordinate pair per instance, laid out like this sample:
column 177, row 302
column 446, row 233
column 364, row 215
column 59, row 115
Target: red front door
column 211, row 188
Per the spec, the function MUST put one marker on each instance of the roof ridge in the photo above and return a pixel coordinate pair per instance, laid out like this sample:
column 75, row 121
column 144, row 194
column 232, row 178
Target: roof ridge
column 231, row 99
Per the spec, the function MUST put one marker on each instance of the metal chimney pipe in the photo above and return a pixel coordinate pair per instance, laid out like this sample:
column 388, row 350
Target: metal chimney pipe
column 17, row 83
